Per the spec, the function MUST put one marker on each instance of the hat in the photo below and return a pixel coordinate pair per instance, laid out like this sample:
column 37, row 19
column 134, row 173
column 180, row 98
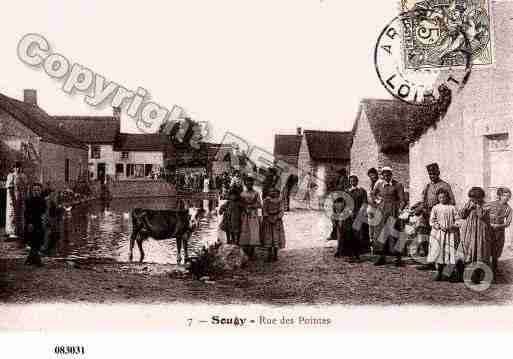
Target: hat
column 433, row 167
column 386, row 168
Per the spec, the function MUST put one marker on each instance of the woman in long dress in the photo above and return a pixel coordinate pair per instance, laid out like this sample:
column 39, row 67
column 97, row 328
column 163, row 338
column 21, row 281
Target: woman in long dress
column 475, row 231
column 444, row 233
column 15, row 207
column 250, row 221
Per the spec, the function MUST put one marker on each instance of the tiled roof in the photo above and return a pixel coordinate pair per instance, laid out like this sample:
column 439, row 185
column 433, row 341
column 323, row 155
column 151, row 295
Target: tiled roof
column 140, row 142
column 287, row 145
column 90, row 129
column 37, row 120
column 389, row 121
column 329, row 145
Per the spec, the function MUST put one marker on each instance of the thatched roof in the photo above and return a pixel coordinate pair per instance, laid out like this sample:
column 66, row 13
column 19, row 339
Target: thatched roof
column 286, row 145
column 390, row 122
column 329, row 145
column 91, row 129
column 37, row 120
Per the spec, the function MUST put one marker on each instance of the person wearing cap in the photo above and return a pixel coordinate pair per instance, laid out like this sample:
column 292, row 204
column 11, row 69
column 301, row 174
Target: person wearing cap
column 430, row 199
column 16, row 185
column 500, row 219
column 250, row 220
column 392, row 203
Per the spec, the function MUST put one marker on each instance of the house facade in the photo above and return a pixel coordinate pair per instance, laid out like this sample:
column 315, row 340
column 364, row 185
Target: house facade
column 113, row 154
column 472, row 143
column 48, row 153
column 324, row 154
column 380, row 139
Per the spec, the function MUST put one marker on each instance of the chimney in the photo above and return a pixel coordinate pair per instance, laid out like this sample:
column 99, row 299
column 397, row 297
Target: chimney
column 116, row 112
column 30, row 96
column 299, row 131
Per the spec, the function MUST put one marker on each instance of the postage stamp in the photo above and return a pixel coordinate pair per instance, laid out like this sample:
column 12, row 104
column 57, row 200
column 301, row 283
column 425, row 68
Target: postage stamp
column 439, row 33
column 420, row 84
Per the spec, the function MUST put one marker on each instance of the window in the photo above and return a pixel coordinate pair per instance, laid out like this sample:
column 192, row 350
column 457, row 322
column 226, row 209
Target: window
column 124, row 155
column 95, row 152
column 498, row 142
column 119, row 168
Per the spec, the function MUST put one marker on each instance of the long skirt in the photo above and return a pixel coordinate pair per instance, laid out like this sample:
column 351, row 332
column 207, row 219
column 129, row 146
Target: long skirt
column 250, row 230
column 15, row 215
column 273, row 234
column 475, row 240
column 443, row 247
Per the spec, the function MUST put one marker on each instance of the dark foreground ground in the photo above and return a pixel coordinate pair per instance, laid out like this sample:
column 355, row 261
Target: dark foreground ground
column 301, row 276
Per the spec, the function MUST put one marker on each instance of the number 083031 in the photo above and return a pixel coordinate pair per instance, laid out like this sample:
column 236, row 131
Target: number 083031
column 69, row 350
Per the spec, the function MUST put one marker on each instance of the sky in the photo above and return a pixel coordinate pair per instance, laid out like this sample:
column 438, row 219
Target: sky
column 254, row 68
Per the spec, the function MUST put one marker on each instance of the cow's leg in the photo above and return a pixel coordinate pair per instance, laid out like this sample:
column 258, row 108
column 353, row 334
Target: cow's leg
column 132, row 242
column 185, row 239
column 140, row 239
column 178, row 249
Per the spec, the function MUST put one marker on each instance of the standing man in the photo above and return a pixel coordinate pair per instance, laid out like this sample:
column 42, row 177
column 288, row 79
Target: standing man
column 392, row 202
column 16, row 185
column 373, row 202
column 36, row 208
column 359, row 196
column 430, row 199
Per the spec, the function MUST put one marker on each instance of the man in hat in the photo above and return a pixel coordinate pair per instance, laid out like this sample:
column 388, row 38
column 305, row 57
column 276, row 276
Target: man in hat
column 392, row 201
column 429, row 198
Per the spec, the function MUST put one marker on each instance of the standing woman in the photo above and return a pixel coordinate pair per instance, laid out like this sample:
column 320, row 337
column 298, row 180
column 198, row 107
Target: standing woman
column 16, row 192
column 250, row 221
column 475, row 231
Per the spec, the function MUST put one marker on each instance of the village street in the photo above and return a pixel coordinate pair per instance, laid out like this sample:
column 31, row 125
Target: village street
column 306, row 273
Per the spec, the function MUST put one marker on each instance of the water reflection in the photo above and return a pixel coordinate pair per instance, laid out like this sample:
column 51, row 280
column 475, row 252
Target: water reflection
column 103, row 229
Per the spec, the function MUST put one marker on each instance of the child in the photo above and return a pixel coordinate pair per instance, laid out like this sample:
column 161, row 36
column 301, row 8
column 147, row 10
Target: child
column 500, row 218
column 417, row 229
column 231, row 211
column 444, row 233
column 475, row 230
column 273, row 233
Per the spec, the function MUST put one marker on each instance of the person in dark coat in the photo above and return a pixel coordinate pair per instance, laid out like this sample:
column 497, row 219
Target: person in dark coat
column 359, row 196
column 391, row 201
column 36, row 208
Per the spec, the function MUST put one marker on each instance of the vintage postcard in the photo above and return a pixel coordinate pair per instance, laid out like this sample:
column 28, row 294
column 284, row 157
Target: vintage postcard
column 309, row 166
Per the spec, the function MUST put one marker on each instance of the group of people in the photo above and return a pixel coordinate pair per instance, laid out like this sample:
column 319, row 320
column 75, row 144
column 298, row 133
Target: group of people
column 449, row 238
column 31, row 213
column 243, row 224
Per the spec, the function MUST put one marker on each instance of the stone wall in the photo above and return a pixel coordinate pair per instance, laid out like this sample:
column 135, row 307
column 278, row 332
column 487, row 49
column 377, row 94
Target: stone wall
column 399, row 162
column 364, row 151
column 54, row 162
column 141, row 188
column 480, row 111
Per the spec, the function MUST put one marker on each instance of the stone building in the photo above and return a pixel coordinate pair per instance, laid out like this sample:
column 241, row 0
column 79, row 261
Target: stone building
column 48, row 153
column 324, row 153
column 120, row 156
column 99, row 133
column 472, row 142
column 286, row 149
column 380, row 138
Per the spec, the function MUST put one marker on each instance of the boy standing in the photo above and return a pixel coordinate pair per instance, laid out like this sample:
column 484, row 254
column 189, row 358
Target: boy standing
column 500, row 218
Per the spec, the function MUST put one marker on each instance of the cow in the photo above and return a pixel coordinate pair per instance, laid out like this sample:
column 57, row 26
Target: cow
column 163, row 224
